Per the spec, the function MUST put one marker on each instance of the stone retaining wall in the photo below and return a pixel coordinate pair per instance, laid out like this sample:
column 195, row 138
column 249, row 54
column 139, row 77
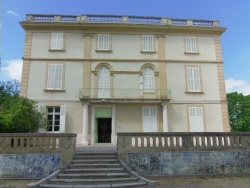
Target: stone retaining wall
column 167, row 154
column 34, row 155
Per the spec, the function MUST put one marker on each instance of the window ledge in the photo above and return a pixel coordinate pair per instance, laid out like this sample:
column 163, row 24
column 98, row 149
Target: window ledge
column 192, row 53
column 194, row 92
column 54, row 90
column 103, row 50
column 57, row 50
column 150, row 52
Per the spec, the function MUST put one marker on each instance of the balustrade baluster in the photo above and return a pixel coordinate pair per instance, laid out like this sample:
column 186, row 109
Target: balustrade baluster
column 148, row 141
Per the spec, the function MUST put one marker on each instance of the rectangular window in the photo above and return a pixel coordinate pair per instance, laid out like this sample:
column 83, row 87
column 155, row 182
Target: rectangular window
column 196, row 119
column 147, row 43
column 56, row 41
column 191, row 45
column 56, row 118
column 55, row 75
column 103, row 42
column 149, row 119
column 193, row 79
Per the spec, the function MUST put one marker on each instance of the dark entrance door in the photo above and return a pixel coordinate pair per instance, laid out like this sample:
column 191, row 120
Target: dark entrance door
column 104, row 130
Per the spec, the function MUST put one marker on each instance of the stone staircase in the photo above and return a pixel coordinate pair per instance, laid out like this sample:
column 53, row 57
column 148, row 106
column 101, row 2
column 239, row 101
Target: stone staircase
column 100, row 170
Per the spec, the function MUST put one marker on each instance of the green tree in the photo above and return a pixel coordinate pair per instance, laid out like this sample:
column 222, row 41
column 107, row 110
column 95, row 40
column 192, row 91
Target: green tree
column 17, row 114
column 239, row 111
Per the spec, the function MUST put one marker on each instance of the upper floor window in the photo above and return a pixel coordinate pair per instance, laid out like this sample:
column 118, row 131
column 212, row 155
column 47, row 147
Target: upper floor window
column 56, row 41
column 148, row 43
column 193, row 79
column 103, row 42
column 191, row 45
column 148, row 79
column 104, row 82
column 55, row 76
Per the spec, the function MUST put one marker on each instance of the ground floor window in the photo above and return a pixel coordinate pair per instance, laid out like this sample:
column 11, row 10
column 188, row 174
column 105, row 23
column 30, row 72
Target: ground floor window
column 196, row 120
column 149, row 119
column 53, row 118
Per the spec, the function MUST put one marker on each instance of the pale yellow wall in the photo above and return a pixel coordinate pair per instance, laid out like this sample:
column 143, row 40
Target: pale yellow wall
column 123, row 46
column 41, row 45
column 177, row 116
column 177, row 81
column 175, row 48
column 214, row 118
column 73, row 81
column 127, row 81
column 179, row 121
column 129, row 117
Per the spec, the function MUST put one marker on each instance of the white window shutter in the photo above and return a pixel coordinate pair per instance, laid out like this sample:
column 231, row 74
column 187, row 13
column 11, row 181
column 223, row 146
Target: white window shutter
column 196, row 119
column 104, row 82
column 62, row 118
column 103, row 42
column 55, row 75
column 58, row 76
column 148, row 42
column 149, row 119
column 148, row 79
column 57, row 41
column 193, row 79
column 191, row 44
column 41, row 108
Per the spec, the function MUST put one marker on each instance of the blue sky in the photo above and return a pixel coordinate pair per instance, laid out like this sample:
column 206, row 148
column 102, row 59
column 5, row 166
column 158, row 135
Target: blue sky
column 232, row 14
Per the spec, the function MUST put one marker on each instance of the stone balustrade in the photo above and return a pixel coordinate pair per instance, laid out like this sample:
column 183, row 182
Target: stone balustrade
column 171, row 142
column 120, row 19
column 32, row 143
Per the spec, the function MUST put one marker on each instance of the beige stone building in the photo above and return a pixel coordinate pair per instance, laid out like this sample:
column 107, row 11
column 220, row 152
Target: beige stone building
column 97, row 75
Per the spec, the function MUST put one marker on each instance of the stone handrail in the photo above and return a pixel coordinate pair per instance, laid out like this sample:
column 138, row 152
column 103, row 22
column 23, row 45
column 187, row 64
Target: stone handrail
column 120, row 19
column 30, row 143
column 124, row 93
column 177, row 141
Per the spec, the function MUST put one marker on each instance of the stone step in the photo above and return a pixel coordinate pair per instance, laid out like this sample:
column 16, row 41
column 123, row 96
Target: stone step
column 93, row 175
column 91, row 181
column 86, row 166
column 95, row 157
column 95, row 154
column 95, row 161
column 93, row 170
column 132, row 184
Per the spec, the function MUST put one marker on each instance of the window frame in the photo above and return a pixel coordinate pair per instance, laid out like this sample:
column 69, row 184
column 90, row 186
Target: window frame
column 62, row 45
column 193, row 81
column 103, row 92
column 191, row 48
column 190, row 119
column 149, row 85
column 62, row 79
column 145, row 49
column 109, row 40
column 147, row 125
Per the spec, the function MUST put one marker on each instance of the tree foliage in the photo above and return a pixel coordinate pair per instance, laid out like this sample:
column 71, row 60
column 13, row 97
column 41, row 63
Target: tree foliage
column 17, row 114
column 239, row 111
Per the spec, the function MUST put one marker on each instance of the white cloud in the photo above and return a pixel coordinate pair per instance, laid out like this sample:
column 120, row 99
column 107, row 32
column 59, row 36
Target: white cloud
column 13, row 13
column 241, row 86
column 14, row 69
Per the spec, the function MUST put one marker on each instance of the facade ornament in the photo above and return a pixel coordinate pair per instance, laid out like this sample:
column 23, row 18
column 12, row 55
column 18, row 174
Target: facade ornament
column 57, row 18
column 29, row 17
column 125, row 19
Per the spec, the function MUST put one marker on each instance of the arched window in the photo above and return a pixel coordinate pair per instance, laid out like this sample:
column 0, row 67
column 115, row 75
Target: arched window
column 148, row 79
column 104, row 82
